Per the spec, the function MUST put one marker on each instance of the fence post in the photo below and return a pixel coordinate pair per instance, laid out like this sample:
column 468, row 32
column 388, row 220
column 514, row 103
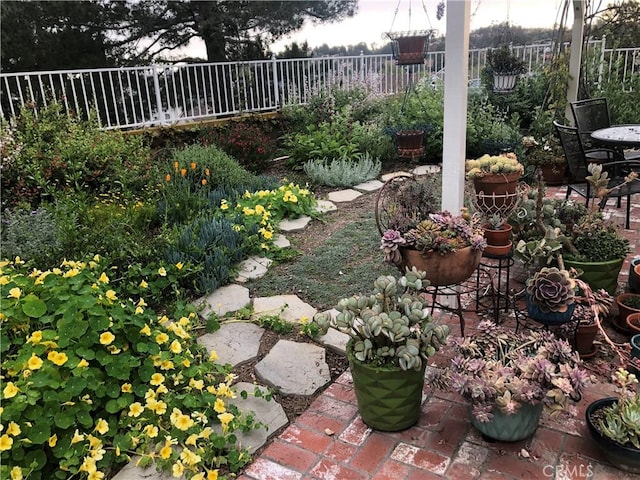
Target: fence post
column 601, row 67
column 156, row 87
column 276, row 89
column 362, row 66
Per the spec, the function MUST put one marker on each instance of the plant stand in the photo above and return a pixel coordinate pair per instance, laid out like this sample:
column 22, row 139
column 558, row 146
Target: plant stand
column 498, row 292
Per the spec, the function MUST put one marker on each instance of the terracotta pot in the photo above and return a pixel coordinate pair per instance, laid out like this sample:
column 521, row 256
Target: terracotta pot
column 497, row 237
column 498, row 250
column 633, row 322
column 496, row 191
column 410, row 143
column 553, row 174
column 448, row 269
column 585, row 336
column 634, row 275
column 411, row 50
column 624, row 310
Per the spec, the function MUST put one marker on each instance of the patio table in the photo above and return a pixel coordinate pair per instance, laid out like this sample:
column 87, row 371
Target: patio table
column 625, row 136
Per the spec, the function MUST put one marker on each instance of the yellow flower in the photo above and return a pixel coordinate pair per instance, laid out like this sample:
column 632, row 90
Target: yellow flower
column 183, row 422
column 34, row 362
column 203, row 182
column 71, row 273
column 125, row 388
column 178, row 469
column 15, row 292
column 161, row 389
column 145, row 330
column 183, row 171
column 207, row 172
column 213, row 356
column 13, row 429
column 162, row 338
column 224, row 205
column 219, row 406
column 167, row 177
column 143, row 284
column 212, row 474
column 175, row 347
column 160, row 408
column 106, row 338
column 150, row 431
column 135, row 409
column 82, row 363
column 225, row 418
column 225, row 391
column 193, row 165
column 103, row 278
column 197, row 384
column 165, row 452
column 77, row 437
column 189, row 457
column 162, row 272
column 4, row 280
column 5, row 442
column 94, row 442
column 156, row 379
column 139, row 310
column 97, row 475
column 16, row 473
column 111, row 295
column 191, row 439
column 58, row 358
column 53, row 439
column 102, row 426
column 179, row 265
column 186, row 363
column 176, row 165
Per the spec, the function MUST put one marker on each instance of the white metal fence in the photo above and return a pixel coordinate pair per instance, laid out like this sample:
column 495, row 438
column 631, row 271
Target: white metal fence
column 137, row 97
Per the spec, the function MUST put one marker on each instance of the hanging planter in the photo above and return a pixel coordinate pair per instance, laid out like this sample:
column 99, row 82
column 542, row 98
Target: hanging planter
column 410, row 48
column 505, row 68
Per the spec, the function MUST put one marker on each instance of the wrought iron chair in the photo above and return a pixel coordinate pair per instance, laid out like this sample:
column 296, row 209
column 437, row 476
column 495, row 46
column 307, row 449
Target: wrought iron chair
column 590, row 115
column 577, row 168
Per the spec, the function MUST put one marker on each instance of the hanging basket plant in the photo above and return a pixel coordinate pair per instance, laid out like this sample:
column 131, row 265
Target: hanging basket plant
column 410, row 48
column 505, row 68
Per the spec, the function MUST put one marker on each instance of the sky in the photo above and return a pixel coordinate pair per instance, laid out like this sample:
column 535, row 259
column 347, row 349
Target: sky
column 375, row 17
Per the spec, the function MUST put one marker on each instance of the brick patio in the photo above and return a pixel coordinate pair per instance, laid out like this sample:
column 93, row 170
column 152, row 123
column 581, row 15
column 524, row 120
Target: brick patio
column 330, row 442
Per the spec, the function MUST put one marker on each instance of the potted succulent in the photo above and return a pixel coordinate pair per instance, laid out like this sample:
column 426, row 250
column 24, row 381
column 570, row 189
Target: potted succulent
column 614, row 423
column 508, row 378
column 628, row 303
column 392, row 336
column 504, row 67
column 550, row 295
column 587, row 305
column 598, row 249
column 495, row 178
column 448, row 247
column 547, row 156
column 497, row 232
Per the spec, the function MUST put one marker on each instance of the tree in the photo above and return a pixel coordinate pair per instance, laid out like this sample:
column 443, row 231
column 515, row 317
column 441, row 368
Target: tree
column 56, row 34
column 230, row 29
column 618, row 21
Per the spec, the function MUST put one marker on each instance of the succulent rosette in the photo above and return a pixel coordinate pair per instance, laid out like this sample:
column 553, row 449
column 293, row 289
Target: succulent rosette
column 551, row 289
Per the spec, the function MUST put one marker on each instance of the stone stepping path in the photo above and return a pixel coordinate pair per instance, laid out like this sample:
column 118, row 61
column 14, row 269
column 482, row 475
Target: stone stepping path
column 289, row 367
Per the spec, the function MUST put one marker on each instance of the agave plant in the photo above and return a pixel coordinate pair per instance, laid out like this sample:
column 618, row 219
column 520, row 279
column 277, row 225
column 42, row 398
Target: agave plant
column 551, row 289
column 391, row 327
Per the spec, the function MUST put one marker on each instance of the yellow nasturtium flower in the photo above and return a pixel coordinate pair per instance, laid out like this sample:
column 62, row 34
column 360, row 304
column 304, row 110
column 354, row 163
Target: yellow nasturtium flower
column 146, row 330
column 16, row 473
column 13, row 429
column 156, row 379
column 103, row 278
column 102, row 426
column 34, row 362
column 106, row 338
column 15, row 292
column 57, row 358
column 111, row 295
column 5, row 442
column 162, row 272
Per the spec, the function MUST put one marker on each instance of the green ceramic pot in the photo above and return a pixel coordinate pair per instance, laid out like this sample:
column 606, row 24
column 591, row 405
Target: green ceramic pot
column 599, row 274
column 511, row 428
column 389, row 399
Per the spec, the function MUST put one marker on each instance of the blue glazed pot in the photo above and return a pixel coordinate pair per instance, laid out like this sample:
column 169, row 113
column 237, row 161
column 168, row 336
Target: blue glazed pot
column 549, row 318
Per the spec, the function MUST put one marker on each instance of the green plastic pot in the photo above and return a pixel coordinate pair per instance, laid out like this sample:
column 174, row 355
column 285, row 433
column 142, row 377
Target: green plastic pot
column 389, row 399
column 511, row 428
column 599, row 274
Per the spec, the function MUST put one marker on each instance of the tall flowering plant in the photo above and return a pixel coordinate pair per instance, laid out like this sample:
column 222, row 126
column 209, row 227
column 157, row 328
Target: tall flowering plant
column 91, row 375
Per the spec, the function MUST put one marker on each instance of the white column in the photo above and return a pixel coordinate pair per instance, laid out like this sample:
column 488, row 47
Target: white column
column 456, row 60
column 576, row 54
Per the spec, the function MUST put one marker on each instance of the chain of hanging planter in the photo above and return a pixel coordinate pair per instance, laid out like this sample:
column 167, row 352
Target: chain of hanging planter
column 409, row 48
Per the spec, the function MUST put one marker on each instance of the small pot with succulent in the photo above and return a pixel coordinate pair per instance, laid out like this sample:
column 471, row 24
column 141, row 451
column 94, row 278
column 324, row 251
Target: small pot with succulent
column 628, row 303
column 587, row 304
column 508, row 378
column 448, row 247
column 614, row 423
column 550, row 295
column 392, row 337
column 497, row 231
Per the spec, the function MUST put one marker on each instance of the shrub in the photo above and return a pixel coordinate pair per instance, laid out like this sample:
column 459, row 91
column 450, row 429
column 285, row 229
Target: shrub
column 30, row 235
column 245, row 142
column 489, row 130
column 92, row 375
column 342, row 172
column 54, row 154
